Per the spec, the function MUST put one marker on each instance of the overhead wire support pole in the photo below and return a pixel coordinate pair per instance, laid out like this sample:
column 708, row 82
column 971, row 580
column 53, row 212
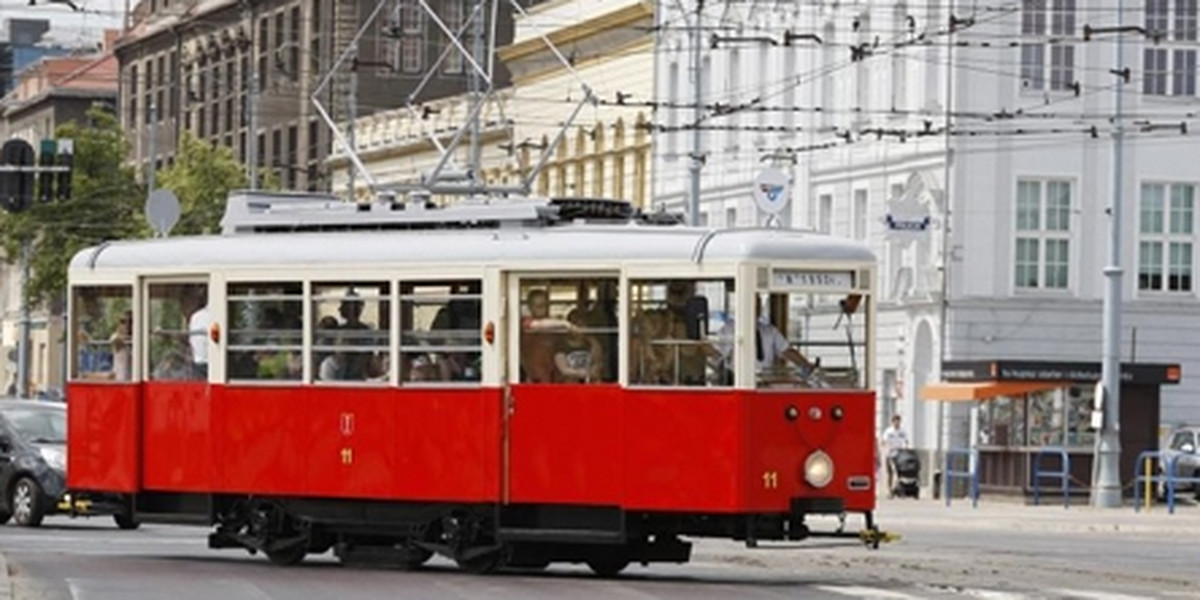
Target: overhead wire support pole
column 696, row 162
column 152, row 167
column 1106, row 489
column 23, row 346
column 251, row 107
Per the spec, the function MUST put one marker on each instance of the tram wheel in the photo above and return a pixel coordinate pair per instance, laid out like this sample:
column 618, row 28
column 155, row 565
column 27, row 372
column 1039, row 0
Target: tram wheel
column 414, row 557
column 607, row 567
column 482, row 564
column 288, row 556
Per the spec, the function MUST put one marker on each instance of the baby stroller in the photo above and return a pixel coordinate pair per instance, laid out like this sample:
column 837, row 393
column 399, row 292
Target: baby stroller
column 908, row 467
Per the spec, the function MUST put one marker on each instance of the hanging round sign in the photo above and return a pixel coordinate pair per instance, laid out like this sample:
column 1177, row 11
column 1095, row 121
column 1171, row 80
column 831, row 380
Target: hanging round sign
column 771, row 191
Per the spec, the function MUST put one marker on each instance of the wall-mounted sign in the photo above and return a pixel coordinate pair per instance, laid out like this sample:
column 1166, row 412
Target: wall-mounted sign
column 908, row 218
column 771, row 191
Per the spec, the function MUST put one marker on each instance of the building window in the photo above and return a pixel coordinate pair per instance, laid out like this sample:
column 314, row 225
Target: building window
column 1042, row 258
column 731, row 217
column 1042, row 49
column 860, row 214
column 1166, row 223
column 1170, row 68
column 454, row 19
column 411, row 55
column 825, row 213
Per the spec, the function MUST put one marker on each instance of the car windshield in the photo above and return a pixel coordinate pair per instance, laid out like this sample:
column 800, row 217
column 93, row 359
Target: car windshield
column 39, row 426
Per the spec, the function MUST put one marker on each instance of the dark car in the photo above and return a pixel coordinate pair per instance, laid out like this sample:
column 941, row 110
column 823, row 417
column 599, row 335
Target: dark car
column 33, row 460
column 1183, row 450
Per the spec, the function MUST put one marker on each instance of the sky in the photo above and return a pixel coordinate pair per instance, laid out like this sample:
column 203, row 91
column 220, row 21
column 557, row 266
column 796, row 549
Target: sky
column 66, row 26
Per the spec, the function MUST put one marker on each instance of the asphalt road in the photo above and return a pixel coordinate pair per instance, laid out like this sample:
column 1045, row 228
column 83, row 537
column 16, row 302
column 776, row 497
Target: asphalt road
column 91, row 560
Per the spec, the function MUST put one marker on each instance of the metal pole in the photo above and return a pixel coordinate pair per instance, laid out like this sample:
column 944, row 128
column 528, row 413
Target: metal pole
column 1106, row 489
column 152, row 169
column 252, row 128
column 352, row 112
column 23, row 347
column 697, row 156
column 473, row 85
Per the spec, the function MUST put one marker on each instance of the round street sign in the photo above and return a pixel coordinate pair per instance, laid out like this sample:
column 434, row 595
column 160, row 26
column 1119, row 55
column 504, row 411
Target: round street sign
column 162, row 210
column 771, row 191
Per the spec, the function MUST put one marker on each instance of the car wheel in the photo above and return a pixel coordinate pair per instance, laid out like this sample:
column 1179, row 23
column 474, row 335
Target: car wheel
column 126, row 521
column 26, row 503
column 4, row 517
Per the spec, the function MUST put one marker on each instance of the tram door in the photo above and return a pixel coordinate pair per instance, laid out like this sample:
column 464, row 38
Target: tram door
column 176, row 447
column 564, row 418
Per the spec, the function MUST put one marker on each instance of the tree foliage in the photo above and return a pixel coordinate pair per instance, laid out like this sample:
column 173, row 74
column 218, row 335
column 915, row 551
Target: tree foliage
column 105, row 204
column 202, row 177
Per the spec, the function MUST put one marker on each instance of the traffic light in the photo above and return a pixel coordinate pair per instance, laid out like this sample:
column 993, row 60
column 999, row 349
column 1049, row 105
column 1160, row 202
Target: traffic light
column 46, row 177
column 66, row 158
column 16, row 187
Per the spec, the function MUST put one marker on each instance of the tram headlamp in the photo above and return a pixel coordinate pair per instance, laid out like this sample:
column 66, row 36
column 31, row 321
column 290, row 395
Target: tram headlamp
column 818, row 469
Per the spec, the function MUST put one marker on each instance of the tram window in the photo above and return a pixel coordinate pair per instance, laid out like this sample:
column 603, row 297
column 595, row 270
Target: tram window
column 265, row 331
column 681, row 332
column 822, row 340
column 569, row 330
column 350, row 331
column 179, row 321
column 103, row 330
column 440, row 331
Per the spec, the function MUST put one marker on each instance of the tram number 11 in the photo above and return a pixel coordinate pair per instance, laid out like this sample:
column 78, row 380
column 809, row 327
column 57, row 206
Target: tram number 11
column 770, row 480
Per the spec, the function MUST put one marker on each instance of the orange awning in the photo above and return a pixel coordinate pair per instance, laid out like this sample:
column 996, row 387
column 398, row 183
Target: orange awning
column 984, row 390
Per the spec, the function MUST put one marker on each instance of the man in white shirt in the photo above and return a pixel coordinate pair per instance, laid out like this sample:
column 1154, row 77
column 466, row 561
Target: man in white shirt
column 770, row 348
column 892, row 440
column 198, row 325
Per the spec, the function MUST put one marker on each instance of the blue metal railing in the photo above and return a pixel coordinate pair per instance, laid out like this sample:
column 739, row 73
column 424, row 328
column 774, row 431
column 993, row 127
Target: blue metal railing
column 1063, row 476
column 1168, row 478
column 971, row 473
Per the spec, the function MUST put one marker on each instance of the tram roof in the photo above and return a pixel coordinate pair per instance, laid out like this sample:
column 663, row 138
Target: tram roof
column 583, row 243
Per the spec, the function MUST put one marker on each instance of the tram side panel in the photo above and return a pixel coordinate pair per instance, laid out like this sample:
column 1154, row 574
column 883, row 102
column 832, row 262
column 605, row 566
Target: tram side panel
column 177, row 444
column 684, row 451
column 567, row 444
column 777, row 447
column 104, row 445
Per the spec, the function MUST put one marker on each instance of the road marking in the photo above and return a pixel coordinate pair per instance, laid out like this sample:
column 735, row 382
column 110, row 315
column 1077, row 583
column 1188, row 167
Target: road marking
column 871, row 593
column 993, row 594
column 1094, row 595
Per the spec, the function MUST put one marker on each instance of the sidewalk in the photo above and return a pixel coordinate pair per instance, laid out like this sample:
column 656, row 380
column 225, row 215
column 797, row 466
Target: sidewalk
column 5, row 582
column 1014, row 515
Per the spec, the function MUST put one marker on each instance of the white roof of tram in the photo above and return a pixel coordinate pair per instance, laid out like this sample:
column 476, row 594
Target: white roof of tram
column 560, row 243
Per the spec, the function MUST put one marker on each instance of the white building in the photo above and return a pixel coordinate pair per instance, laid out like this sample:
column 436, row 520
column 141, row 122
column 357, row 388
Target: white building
column 1022, row 230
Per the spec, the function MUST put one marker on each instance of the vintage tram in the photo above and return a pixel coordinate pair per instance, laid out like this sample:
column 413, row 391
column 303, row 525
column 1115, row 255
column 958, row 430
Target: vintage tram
column 503, row 383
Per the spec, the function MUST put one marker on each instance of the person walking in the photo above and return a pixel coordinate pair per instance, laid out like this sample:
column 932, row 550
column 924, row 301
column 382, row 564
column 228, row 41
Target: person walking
column 892, row 441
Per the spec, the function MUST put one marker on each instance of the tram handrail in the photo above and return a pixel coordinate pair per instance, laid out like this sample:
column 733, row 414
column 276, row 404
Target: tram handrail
column 1064, row 476
column 972, row 472
column 1168, row 478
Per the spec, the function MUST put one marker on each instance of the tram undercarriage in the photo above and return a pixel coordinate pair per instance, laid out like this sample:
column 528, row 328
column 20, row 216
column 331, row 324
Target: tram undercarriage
column 479, row 538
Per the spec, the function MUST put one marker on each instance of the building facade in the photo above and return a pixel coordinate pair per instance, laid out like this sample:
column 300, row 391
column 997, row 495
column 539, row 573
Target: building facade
column 990, row 125
column 196, row 65
column 606, row 153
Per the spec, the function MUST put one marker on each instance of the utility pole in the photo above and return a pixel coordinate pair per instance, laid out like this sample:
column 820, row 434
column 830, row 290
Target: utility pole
column 251, row 106
column 697, row 155
column 474, row 87
column 23, row 348
column 152, row 168
column 1106, row 487
column 352, row 111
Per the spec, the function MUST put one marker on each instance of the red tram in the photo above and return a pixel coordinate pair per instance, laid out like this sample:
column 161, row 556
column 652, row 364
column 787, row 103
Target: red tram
column 504, row 384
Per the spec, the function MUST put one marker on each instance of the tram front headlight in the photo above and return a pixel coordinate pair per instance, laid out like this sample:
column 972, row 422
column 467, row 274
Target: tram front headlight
column 818, row 469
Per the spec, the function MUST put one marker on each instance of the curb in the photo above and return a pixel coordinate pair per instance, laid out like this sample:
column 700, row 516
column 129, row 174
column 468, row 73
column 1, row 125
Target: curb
column 5, row 580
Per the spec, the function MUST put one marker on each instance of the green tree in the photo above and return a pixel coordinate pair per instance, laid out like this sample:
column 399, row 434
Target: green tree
column 202, row 176
column 105, row 204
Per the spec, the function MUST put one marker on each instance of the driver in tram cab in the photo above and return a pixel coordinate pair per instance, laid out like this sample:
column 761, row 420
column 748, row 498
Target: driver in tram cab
column 771, row 351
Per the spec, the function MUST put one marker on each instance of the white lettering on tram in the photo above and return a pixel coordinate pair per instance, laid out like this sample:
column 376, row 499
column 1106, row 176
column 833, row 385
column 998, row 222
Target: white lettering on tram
column 794, row 278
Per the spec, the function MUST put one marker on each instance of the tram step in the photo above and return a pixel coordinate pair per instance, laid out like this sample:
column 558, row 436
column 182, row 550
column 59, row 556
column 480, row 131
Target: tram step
column 540, row 534
column 369, row 555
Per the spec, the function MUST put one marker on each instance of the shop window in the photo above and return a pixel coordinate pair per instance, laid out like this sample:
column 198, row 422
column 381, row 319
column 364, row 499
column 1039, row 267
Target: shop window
column 440, row 331
column 265, row 331
column 103, row 332
column 351, row 325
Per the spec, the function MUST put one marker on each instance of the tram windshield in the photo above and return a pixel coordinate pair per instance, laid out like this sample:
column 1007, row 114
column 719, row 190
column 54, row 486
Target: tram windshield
column 811, row 340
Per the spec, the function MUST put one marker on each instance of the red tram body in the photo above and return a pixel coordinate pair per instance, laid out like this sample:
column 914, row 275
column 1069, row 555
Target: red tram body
column 497, row 469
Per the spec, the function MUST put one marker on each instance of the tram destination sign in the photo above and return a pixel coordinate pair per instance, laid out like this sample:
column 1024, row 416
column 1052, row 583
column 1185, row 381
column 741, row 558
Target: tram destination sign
column 803, row 278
